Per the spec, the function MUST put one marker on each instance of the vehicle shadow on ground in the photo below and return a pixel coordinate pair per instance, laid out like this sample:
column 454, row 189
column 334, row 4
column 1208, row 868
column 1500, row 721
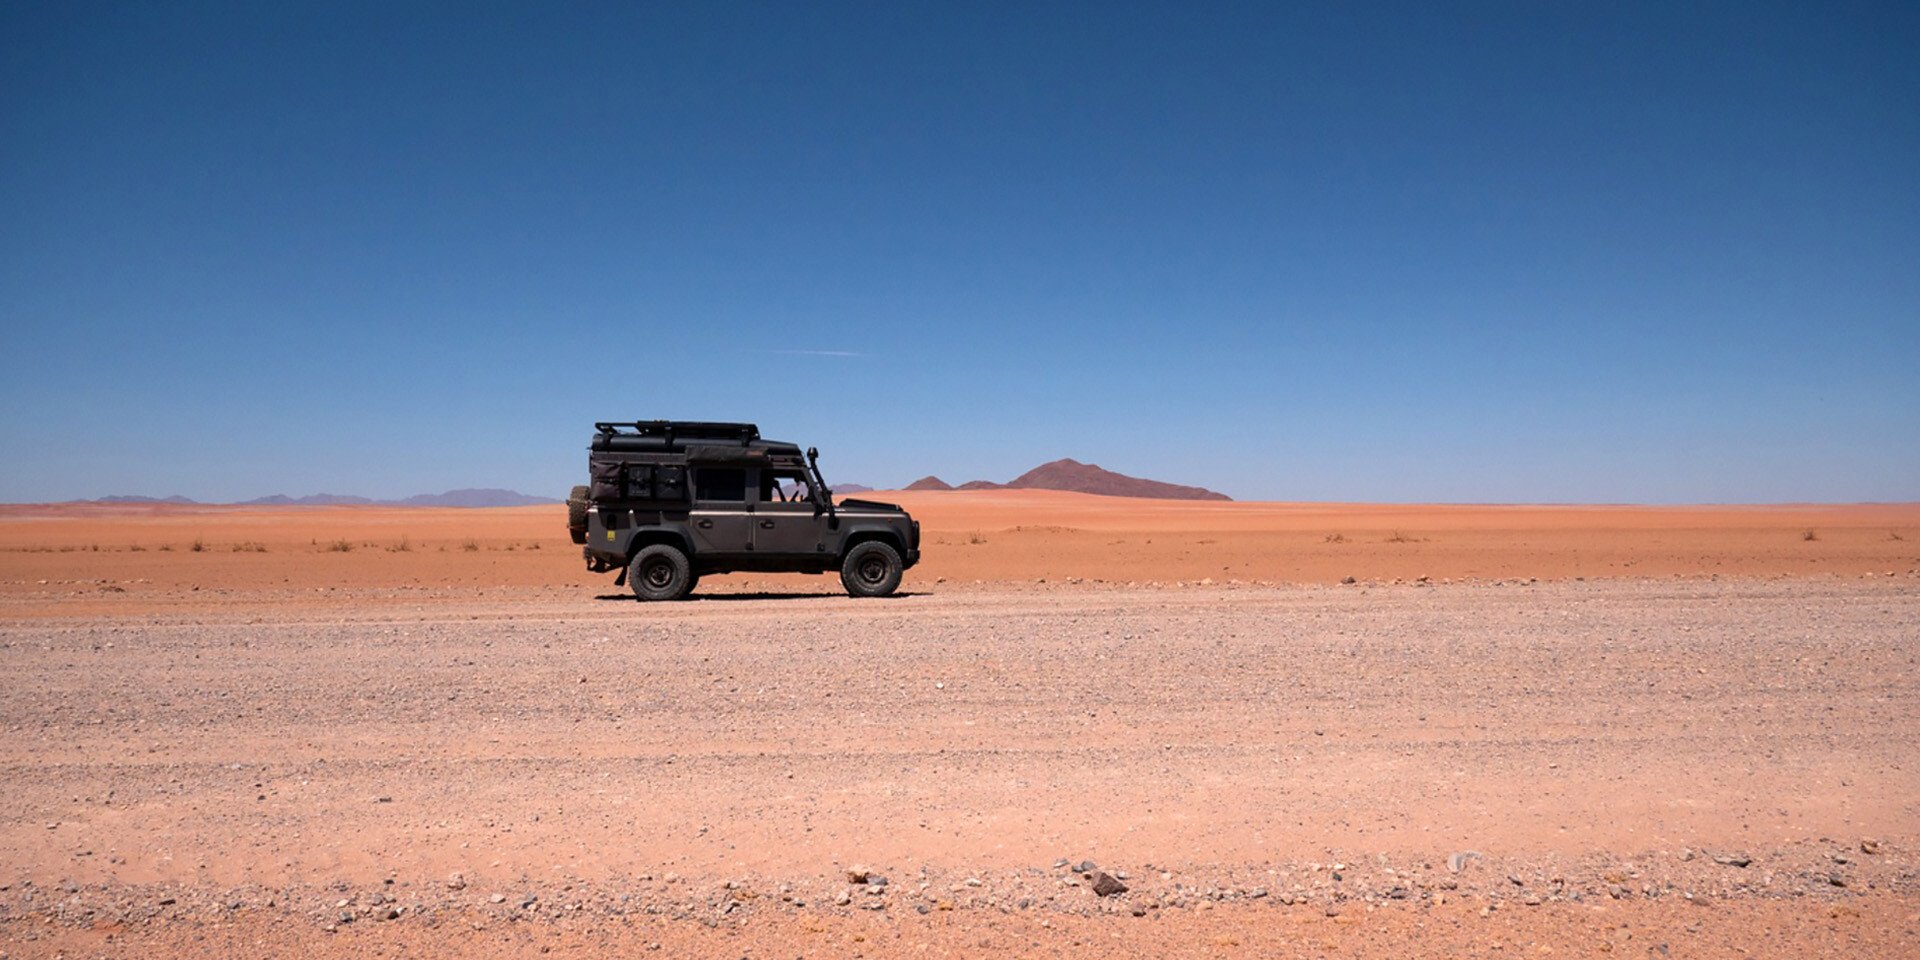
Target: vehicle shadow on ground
column 762, row 595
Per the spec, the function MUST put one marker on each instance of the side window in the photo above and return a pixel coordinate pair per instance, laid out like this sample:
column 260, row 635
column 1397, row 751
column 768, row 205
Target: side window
column 719, row 483
column 783, row 486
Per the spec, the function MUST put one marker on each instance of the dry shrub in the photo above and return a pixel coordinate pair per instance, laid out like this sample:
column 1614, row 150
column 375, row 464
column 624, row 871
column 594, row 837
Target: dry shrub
column 975, row 538
column 199, row 545
column 340, row 546
column 1334, row 538
column 470, row 546
column 404, row 546
column 250, row 546
column 1809, row 535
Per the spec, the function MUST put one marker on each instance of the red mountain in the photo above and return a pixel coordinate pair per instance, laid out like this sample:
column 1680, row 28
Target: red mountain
column 929, row 483
column 1077, row 477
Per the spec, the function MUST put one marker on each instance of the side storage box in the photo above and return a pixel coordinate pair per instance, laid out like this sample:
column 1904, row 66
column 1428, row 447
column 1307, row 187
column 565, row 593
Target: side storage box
column 639, row 481
column 604, row 477
column 670, row 482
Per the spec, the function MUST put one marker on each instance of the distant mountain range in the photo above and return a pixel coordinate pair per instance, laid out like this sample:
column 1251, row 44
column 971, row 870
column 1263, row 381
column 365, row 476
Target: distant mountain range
column 470, row 497
column 1076, row 477
column 1067, row 474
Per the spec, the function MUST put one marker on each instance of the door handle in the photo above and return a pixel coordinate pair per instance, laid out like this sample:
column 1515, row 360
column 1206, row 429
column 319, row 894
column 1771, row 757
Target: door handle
column 706, row 524
column 766, row 524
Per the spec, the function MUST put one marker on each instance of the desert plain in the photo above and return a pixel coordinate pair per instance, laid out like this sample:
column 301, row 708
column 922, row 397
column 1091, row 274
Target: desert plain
column 1285, row 729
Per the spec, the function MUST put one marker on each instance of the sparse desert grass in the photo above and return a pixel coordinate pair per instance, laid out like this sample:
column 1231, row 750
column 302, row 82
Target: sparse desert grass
column 975, row 538
column 166, row 548
column 1334, row 538
column 1399, row 537
column 470, row 546
column 250, row 546
column 1809, row 535
column 199, row 545
column 1894, row 535
column 404, row 546
column 136, row 548
column 340, row 546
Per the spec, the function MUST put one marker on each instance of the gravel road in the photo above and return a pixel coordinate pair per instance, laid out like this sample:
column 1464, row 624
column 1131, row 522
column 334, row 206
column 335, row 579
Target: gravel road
column 1402, row 769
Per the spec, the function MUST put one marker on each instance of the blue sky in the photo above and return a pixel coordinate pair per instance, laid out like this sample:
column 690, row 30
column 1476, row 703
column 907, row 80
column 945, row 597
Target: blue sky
column 1424, row 252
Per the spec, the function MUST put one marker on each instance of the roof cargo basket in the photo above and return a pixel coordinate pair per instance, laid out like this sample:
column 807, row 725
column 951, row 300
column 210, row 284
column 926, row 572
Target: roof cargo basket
column 675, row 431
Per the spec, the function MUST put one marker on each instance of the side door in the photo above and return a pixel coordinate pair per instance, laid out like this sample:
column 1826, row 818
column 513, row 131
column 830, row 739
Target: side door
column 785, row 523
column 720, row 521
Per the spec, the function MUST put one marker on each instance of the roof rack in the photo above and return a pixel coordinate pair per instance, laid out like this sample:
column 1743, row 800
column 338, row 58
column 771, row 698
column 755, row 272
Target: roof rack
column 673, row 430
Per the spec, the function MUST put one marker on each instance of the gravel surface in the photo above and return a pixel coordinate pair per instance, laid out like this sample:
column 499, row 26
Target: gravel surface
column 1403, row 768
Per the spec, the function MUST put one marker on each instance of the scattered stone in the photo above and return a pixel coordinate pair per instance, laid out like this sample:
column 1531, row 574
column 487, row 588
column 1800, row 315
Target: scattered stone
column 858, row 874
column 1870, row 846
column 1105, row 884
column 497, row 898
column 1733, row 860
column 1084, row 866
column 456, row 882
column 842, row 898
column 1459, row 861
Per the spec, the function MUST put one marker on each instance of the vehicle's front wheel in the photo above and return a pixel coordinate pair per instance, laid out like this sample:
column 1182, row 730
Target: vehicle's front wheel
column 660, row 572
column 871, row 569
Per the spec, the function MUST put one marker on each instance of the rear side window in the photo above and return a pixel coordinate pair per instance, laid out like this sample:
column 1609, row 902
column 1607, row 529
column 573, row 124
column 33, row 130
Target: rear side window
column 719, row 483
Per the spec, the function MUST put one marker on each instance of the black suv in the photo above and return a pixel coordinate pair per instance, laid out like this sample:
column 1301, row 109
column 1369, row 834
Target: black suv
column 671, row 500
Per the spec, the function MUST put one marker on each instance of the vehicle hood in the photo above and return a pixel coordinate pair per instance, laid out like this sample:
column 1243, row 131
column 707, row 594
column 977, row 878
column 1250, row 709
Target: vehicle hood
column 854, row 503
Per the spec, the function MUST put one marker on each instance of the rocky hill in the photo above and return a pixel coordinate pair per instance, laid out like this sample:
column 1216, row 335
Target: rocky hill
column 1076, row 477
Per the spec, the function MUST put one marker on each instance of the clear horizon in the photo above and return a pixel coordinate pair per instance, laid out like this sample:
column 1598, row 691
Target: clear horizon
column 1409, row 254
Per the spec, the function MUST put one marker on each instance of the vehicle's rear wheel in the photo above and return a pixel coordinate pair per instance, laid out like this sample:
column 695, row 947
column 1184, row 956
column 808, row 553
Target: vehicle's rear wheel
column 660, row 572
column 577, row 504
column 871, row 569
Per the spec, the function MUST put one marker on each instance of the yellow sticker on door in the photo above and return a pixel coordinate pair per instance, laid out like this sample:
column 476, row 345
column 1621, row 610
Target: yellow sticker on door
column 609, row 534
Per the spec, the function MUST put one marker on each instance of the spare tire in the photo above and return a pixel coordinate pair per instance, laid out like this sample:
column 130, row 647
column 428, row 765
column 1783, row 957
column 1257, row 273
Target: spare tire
column 577, row 514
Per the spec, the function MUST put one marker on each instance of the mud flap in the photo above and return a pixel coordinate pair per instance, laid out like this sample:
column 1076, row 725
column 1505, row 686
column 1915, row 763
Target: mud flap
column 621, row 580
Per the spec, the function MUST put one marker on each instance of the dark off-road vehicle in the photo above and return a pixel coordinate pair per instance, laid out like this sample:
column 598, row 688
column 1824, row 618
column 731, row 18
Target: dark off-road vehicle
column 672, row 500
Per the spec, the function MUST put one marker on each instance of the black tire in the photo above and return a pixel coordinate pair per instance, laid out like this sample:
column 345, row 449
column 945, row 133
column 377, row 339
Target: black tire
column 660, row 572
column 871, row 569
column 577, row 514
